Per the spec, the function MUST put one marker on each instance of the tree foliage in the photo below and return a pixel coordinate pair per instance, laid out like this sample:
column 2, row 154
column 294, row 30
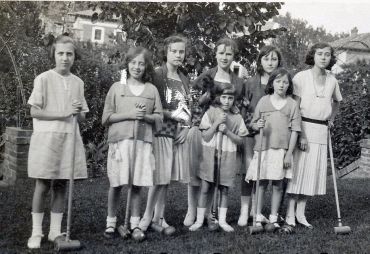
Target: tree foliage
column 294, row 42
column 202, row 23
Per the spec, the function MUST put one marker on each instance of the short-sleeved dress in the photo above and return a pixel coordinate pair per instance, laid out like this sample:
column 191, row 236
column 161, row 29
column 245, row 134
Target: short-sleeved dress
column 276, row 136
column 228, row 167
column 316, row 103
column 172, row 160
column 120, row 99
column 51, row 143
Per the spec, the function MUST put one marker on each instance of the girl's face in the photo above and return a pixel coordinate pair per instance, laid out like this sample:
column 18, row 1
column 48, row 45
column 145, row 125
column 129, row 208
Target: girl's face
column 281, row 85
column 322, row 57
column 176, row 53
column 270, row 62
column 227, row 101
column 136, row 67
column 224, row 56
column 64, row 57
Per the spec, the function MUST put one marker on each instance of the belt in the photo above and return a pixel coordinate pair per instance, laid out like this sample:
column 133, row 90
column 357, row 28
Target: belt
column 323, row 122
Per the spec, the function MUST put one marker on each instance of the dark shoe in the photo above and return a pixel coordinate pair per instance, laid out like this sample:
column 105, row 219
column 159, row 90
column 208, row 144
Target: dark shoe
column 110, row 233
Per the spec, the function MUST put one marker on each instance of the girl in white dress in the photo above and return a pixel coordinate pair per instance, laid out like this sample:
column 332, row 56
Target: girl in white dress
column 318, row 95
column 57, row 96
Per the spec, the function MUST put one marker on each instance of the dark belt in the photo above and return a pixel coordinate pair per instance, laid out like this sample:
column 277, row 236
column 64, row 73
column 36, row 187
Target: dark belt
column 323, row 122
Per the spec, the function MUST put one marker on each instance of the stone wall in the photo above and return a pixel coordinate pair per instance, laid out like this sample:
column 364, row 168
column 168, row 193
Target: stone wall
column 16, row 154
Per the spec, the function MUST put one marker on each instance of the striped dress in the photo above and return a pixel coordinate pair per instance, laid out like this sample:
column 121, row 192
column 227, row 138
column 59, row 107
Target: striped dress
column 316, row 103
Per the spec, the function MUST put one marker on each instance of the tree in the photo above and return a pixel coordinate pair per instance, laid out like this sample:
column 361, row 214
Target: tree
column 203, row 24
column 294, row 42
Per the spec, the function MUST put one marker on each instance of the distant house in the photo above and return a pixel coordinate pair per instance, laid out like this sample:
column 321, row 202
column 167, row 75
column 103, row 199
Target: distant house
column 84, row 29
column 351, row 49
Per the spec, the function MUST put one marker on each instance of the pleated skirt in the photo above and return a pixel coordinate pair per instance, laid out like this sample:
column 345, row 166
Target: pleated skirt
column 310, row 171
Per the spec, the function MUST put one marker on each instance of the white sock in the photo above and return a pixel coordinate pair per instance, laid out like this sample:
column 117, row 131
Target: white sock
column 37, row 224
column 111, row 221
column 222, row 219
column 200, row 218
column 55, row 225
column 134, row 222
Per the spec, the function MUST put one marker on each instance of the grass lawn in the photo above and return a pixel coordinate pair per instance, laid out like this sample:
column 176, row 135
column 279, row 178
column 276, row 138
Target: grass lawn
column 90, row 213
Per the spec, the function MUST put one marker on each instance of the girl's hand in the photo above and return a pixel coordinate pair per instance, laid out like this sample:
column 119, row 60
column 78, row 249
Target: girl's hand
column 222, row 127
column 287, row 160
column 302, row 143
column 139, row 114
column 221, row 119
column 181, row 136
column 261, row 123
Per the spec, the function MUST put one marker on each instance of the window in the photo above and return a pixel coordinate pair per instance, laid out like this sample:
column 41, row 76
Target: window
column 97, row 34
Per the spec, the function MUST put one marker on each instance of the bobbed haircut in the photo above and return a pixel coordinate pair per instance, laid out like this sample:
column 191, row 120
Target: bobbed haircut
column 310, row 56
column 265, row 50
column 134, row 52
column 221, row 89
column 63, row 39
column 227, row 42
column 279, row 72
column 172, row 39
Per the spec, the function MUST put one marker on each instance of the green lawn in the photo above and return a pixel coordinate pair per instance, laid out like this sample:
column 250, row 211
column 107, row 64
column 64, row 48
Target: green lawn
column 90, row 213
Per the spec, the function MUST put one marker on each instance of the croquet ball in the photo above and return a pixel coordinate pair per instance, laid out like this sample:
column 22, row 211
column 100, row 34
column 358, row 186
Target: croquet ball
column 270, row 227
column 169, row 230
column 138, row 235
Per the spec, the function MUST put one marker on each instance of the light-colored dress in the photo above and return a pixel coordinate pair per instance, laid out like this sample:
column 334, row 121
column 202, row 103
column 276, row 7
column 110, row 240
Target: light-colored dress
column 120, row 98
column 311, row 165
column 51, row 143
column 172, row 160
column 276, row 136
column 228, row 167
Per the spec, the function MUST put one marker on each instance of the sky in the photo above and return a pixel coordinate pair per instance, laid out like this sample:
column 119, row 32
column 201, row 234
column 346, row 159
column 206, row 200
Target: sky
column 334, row 16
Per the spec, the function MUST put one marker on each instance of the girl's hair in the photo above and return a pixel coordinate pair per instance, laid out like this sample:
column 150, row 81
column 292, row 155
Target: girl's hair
column 134, row 52
column 220, row 89
column 169, row 40
column 64, row 38
column 228, row 43
column 265, row 50
column 310, row 56
column 279, row 72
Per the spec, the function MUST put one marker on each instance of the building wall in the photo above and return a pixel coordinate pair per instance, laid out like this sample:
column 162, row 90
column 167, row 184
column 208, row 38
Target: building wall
column 85, row 30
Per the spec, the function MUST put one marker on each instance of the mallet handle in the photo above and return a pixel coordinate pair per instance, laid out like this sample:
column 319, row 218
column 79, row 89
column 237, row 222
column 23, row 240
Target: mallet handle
column 71, row 177
column 258, row 173
column 334, row 176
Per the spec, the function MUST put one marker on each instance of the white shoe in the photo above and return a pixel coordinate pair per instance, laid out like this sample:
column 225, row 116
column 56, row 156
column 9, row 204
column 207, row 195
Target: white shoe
column 303, row 221
column 53, row 235
column 226, row 227
column 189, row 219
column 34, row 242
column 196, row 226
column 243, row 219
column 144, row 224
column 290, row 220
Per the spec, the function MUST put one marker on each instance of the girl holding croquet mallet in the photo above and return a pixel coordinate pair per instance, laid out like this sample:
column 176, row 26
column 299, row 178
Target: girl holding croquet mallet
column 57, row 97
column 221, row 130
column 278, row 114
column 318, row 95
column 132, row 111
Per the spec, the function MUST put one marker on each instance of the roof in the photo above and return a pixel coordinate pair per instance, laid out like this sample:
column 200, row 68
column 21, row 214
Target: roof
column 355, row 42
column 86, row 13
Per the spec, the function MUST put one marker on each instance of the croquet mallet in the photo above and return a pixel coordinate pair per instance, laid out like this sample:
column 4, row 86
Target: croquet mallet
column 217, row 175
column 340, row 229
column 254, row 229
column 64, row 242
column 124, row 230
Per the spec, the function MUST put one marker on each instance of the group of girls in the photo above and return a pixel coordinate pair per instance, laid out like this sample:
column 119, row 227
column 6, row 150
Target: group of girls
column 177, row 136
